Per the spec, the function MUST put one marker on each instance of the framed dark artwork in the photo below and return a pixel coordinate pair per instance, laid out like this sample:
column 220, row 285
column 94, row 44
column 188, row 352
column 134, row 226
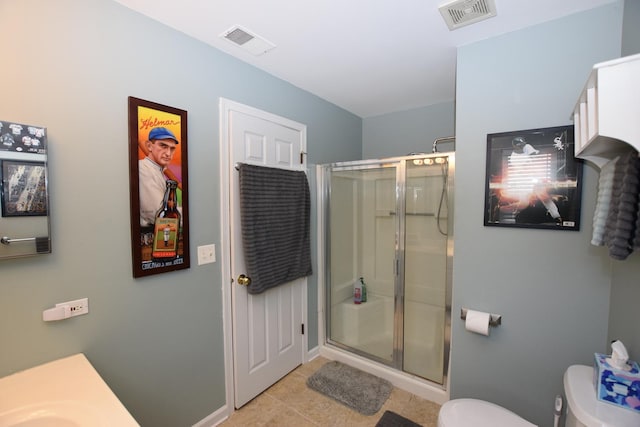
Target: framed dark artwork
column 158, row 178
column 533, row 179
column 24, row 188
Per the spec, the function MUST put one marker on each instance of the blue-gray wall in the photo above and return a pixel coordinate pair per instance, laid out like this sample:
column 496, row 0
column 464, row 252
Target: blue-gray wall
column 625, row 286
column 404, row 132
column 70, row 65
column 157, row 341
column 630, row 28
column 552, row 287
column 510, row 282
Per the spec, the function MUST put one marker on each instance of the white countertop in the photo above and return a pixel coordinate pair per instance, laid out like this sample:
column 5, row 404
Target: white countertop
column 67, row 391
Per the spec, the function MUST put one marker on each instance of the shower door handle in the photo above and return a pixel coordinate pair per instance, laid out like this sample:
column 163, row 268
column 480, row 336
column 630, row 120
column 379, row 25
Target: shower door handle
column 244, row 280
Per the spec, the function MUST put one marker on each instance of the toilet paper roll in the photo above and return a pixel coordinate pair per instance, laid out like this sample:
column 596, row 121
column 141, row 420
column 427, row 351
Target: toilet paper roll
column 478, row 322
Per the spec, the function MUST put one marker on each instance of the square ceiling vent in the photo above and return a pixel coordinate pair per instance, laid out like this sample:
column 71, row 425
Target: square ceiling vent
column 248, row 41
column 465, row 12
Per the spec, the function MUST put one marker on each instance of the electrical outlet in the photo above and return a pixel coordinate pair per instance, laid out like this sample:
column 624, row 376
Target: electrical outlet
column 76, row 307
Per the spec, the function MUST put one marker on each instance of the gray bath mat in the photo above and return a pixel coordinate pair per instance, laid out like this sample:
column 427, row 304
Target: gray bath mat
column 391, row 419
column 352, row 387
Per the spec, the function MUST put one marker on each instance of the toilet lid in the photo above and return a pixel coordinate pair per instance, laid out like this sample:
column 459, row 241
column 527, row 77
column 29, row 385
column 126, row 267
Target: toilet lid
column 478, row 413
column 582, row 400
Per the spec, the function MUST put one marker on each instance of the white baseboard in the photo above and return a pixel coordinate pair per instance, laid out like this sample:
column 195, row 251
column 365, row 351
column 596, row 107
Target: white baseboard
column 312, row 354
column 215, row 418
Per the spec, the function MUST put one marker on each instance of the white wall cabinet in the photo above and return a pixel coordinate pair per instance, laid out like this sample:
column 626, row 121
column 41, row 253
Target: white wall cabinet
column 607, row 114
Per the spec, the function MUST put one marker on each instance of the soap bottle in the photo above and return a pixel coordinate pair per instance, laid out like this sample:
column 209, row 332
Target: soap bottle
column 364, row 290
column 357, row 292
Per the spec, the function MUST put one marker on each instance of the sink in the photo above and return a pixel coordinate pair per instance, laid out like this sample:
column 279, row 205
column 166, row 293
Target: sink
column 67, row 392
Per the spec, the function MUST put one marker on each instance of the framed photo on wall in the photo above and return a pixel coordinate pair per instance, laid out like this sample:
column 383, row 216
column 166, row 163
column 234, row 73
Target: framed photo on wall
column 159, row 193
column 24, row 188
column 533, row 179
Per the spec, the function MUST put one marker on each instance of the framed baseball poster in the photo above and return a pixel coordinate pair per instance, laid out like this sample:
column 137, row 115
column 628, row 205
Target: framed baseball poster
column 533, row 179
column 159, row 187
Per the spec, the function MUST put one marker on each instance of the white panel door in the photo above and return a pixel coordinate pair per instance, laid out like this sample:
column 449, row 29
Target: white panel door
column 267, row 336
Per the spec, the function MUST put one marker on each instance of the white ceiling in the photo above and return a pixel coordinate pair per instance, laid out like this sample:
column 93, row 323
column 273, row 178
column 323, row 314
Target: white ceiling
column 369, row 57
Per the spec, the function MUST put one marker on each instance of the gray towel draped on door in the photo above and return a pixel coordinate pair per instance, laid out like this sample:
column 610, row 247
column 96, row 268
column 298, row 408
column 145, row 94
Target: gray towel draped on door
column 275, row 220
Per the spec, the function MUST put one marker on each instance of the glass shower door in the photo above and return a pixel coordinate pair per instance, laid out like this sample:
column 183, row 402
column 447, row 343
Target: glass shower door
column 363, row 224
column 388, row 221
column 425, row 267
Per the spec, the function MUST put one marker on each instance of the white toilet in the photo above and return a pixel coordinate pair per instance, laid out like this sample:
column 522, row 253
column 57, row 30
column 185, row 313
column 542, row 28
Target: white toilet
column 478, row 413
column 583, row 408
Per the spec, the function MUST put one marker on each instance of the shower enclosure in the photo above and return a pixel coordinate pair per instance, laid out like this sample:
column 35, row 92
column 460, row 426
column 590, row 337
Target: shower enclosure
column 389, row 221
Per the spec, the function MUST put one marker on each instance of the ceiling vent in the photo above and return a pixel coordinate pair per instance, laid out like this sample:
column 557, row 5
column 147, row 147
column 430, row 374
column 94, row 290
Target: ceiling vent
column 465, row 12
column 248, row 41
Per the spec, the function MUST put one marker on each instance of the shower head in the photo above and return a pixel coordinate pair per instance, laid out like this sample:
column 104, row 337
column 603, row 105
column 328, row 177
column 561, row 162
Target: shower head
column 439, row 140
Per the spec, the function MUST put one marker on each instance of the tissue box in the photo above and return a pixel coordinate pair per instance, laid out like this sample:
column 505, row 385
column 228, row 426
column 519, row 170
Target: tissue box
column 617, row 386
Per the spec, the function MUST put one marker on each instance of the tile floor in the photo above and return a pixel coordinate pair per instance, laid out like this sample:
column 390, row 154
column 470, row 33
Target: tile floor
column 290, row 402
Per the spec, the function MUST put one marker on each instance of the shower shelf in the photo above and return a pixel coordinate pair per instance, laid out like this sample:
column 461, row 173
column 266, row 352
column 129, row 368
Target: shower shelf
column 361, row 320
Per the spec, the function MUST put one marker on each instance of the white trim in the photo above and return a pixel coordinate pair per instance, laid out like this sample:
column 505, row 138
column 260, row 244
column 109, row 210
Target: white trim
column 214, row 419
column 225, row 255
column 230, row 105
column 321, row 252
column 225, row 106
column 313, row 353
column 305, row 320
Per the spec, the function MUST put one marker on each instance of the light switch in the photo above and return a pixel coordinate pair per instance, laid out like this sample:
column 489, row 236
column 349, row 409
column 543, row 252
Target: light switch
column 206, row 254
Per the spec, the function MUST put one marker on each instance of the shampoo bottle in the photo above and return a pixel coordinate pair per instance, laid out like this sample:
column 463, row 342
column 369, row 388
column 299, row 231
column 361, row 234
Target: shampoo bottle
column 357, row 292
column 364, row 290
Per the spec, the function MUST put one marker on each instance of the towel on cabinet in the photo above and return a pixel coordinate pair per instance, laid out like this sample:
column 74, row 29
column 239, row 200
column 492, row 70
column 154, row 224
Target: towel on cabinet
column 620, row 228
column 603, row 201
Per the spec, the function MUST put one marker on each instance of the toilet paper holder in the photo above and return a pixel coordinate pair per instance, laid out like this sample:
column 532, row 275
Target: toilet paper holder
column 494, row 319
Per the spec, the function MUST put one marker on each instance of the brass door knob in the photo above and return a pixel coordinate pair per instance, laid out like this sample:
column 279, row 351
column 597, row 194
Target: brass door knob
column 244, row 280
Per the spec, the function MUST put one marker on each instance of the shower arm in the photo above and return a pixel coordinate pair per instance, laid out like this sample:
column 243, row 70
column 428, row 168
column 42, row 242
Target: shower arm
column 439, row 140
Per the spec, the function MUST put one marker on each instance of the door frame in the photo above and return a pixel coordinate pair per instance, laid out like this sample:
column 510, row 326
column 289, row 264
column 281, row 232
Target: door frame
column 225, row 107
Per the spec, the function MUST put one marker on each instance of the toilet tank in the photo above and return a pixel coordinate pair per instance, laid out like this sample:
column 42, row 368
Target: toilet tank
column 585, row 410
column 571, row 420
